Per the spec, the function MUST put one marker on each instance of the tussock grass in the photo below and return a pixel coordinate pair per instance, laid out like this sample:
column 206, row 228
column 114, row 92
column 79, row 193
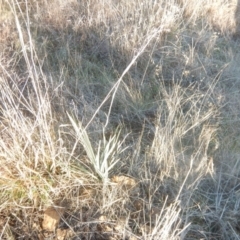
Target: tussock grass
column 123, row 113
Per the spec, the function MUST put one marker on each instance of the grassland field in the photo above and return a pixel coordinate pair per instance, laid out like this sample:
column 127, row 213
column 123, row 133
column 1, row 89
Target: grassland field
column 120, row 120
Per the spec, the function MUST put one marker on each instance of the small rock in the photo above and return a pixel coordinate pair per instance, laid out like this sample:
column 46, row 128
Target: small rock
column 51, row 218
column 61, row 234
column 124, row 181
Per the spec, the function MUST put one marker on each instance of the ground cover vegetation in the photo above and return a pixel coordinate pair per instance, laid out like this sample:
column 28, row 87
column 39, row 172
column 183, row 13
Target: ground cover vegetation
column 119, row 119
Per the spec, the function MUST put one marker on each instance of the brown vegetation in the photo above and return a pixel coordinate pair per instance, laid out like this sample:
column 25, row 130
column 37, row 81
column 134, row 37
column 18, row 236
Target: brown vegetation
column 119, row 119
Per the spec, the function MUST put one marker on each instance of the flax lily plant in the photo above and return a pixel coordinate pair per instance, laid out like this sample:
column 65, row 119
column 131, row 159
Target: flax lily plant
column 107, row 154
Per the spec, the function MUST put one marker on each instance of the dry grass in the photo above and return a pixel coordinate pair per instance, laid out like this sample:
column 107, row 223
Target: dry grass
column 122, row 114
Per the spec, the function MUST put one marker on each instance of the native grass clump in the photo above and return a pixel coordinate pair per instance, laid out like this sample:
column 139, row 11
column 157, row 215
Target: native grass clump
column 119, row 119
